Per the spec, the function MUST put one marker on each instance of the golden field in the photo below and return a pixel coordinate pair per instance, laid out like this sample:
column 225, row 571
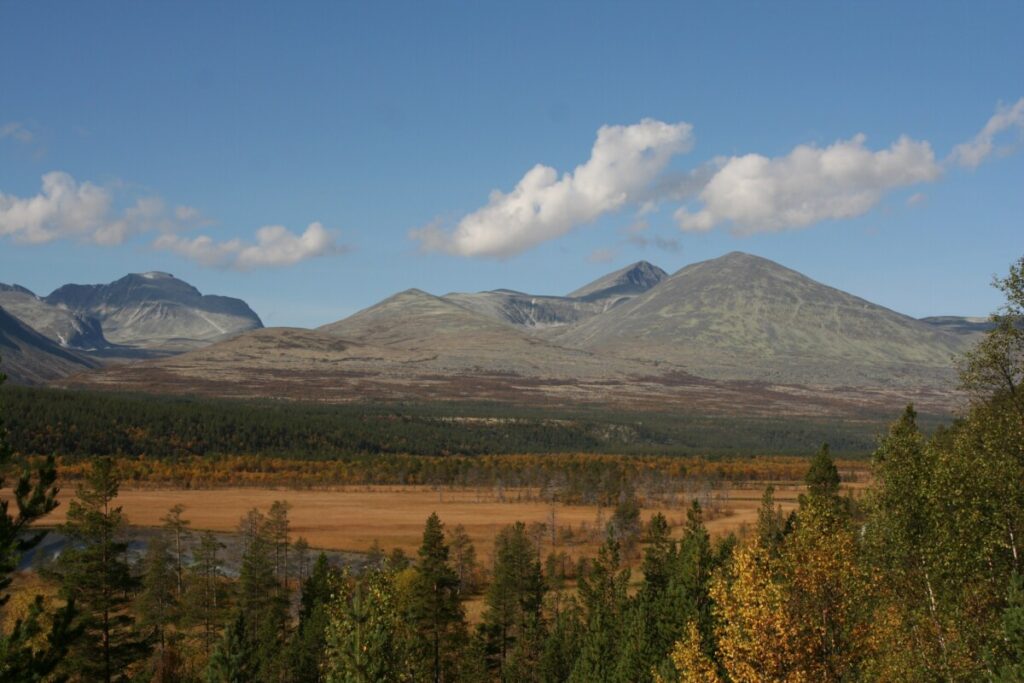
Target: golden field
column 352, row 518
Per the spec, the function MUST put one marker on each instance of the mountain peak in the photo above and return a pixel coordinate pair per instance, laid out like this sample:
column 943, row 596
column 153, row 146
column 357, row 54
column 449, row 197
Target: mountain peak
column 635, row 278
column 156, row 310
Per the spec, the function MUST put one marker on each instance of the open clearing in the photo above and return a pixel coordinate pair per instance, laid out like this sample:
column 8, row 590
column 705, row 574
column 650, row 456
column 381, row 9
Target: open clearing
column 353, row 518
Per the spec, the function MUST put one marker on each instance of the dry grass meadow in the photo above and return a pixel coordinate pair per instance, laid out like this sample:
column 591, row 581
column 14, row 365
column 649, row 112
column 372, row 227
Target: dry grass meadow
column 352, row 518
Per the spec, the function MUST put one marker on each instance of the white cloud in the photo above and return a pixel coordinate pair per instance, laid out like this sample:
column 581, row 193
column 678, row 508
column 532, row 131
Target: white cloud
column 68, row 209
column 624, row 163
column 755, row 194
column 16, row 131
column 275, row 246
column 916, row 198
column 973, row 152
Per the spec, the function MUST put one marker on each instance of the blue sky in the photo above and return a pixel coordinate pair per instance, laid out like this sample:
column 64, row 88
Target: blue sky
column 171, row 134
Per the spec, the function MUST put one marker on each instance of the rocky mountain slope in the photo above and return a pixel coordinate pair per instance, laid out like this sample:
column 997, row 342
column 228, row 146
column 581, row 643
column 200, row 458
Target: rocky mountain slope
column 28, row 357
column 544, row 312
column 67, row 328
column 156, row 311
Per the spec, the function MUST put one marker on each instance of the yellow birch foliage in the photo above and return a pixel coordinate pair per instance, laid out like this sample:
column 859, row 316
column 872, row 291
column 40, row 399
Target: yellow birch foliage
column 690, row 661
column 827, row 598
column 758, row 641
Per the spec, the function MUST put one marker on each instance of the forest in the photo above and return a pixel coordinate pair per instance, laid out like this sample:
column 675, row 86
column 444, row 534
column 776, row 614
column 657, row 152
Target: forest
column 918, row 579
column 77, row 424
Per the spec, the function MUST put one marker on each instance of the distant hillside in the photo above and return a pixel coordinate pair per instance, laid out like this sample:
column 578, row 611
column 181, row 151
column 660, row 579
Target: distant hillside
column 742, row 317
column 28, row 357
column 736, row 335
column 544, row 312
column 58, row 323
column 156, row 311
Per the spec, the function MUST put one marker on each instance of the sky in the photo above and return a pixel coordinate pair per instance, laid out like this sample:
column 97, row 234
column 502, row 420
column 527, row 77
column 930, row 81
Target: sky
column 313, row 158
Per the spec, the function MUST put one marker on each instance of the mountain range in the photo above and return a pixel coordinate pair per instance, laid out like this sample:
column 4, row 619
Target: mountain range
column 734, row 333
column 141, row 315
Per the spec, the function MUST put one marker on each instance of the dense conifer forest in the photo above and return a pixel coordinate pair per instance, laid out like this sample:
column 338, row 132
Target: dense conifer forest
column 77, row 424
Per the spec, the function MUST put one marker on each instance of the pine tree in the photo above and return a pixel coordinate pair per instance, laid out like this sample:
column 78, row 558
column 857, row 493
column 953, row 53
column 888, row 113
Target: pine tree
column 367, row 640
column 157, row 603
column 514, row 599
column 436, row 609
column 264, row 603
column 255, row 642
column 205, row 602
column 34, row 496
column 94, row 571
column 233, row 660
column 278, row 529
column 561, row 646
column 301, row 554
column 309, row 641
column 690, row 589
column 463, row 560
column 177, row 530
column 658, row 557
column 602, row 593
column 771, row 523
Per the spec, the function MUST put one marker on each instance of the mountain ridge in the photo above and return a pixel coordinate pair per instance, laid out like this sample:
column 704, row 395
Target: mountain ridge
column 737, row 333
column 155, row 310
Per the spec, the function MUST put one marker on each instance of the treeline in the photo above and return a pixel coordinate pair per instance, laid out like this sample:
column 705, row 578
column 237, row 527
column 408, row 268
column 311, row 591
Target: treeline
column 74, row 424
column 556, row 477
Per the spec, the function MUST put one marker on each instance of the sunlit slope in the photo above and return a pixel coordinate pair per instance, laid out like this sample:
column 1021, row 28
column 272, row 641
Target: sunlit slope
column 745, row 317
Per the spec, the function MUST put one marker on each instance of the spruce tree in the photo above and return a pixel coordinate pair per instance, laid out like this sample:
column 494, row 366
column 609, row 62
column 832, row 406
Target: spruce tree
column 94, row 571
column 436, row 609
column 603, row 596
column 515, row 597
column 308, row 644
column 157, row 604
column 367, row 639
column 233, row 660
column 771, row 523
column 822, row 477
column 264, row 604
column 205, row 601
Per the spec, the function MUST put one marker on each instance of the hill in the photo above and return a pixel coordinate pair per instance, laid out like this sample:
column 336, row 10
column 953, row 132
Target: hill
column 742, row 317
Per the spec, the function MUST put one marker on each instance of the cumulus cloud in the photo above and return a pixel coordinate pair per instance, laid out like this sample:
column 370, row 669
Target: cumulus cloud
column 68, row 209
column 16, row 131
column 754, row 193
column 973, row 152
column 624, row 163
column 275, row 246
